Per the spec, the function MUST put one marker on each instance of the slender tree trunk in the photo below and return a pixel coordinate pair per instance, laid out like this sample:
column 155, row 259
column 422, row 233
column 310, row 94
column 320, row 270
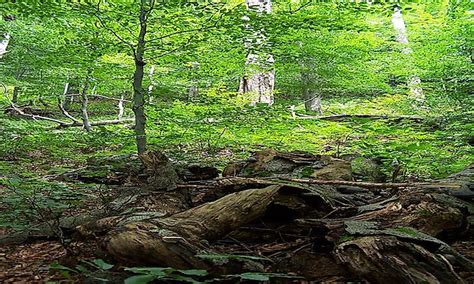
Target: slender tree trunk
column 120, row 107
column 193, row 89
column 138, row 92
column 414, row 82
column 312, row 102
column 85, row 100
column 152, row 84
column 193, row 92
column 65, row 103
column 15, row 95
column 5, row 37
column 259, row 82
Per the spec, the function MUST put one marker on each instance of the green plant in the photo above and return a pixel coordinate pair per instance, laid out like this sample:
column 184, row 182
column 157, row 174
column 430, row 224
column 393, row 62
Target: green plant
column 87, row 268
column 148, row 274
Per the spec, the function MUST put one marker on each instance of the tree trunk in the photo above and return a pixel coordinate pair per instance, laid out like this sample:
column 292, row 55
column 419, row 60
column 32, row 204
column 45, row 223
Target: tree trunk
column 120, row 107
column 152, row 84
column 259, row 82
column 312, row 102
column 414, row 82
column 85, row 100
column 4, row 44
column 193, row 92
column 15, row 95
column 138, row 92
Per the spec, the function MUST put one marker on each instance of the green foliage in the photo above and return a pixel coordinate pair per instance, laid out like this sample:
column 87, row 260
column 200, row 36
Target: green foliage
column 89, row 269
column 148, row 274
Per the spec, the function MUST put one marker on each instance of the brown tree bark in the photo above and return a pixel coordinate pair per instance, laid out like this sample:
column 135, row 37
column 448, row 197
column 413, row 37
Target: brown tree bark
column 138, row 91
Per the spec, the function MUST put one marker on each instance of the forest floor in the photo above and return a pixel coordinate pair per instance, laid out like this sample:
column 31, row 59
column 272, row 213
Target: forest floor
column 34, row 153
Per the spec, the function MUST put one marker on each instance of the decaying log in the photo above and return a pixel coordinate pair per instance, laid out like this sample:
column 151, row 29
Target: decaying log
column 325, row 230
column 379, row 258
column 174, row 241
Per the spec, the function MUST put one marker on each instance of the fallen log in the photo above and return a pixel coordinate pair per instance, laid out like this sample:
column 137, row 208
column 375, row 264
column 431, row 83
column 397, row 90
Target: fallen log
column 227, row 181
column 372, row 185
column 174, row 241
column 339, row 117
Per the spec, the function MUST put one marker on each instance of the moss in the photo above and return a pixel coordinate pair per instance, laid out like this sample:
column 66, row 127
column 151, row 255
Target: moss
column 346, row 238
column 408, row 231
column 307, row 172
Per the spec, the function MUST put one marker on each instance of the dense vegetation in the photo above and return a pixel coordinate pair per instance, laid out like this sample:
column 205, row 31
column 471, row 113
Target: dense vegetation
column 170, row 71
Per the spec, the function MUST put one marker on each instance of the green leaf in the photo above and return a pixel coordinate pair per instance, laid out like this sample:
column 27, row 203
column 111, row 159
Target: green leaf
column 82, row 269
column 157, row 271
column 56, row 265
column 102, row 264
column 140, row 279
column 194, row 272
column 254, row 276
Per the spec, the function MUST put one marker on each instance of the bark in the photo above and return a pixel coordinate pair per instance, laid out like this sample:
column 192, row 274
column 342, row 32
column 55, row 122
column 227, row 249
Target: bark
column 120, row 107
column 259, row 82
column 384, row 257
column 15, row 95
column 152, row 84
column 4, row 44
column 414, row 82
column 85, row 100
column 312, row 102
column 193, row 89
column 193, row 93
column 138, row 91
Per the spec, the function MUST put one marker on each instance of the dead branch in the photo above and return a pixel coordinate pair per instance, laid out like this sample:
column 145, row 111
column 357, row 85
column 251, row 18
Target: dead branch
column 74, row 123
column 100, row 97
column 339, row 117
column 370, row 185
column 269, row 181
column 67, row 114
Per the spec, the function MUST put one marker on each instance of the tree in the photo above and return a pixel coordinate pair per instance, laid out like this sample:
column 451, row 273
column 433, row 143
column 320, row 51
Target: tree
column 146, row 7
column 402, row 37
column 259, row 81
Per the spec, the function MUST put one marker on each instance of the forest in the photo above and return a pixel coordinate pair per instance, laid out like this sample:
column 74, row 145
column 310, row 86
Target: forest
column 236, row 141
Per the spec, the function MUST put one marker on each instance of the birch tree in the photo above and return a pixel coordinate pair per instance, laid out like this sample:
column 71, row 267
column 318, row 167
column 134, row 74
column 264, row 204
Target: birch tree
column 4, row 44
column 259, row 80
column 414, row 82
